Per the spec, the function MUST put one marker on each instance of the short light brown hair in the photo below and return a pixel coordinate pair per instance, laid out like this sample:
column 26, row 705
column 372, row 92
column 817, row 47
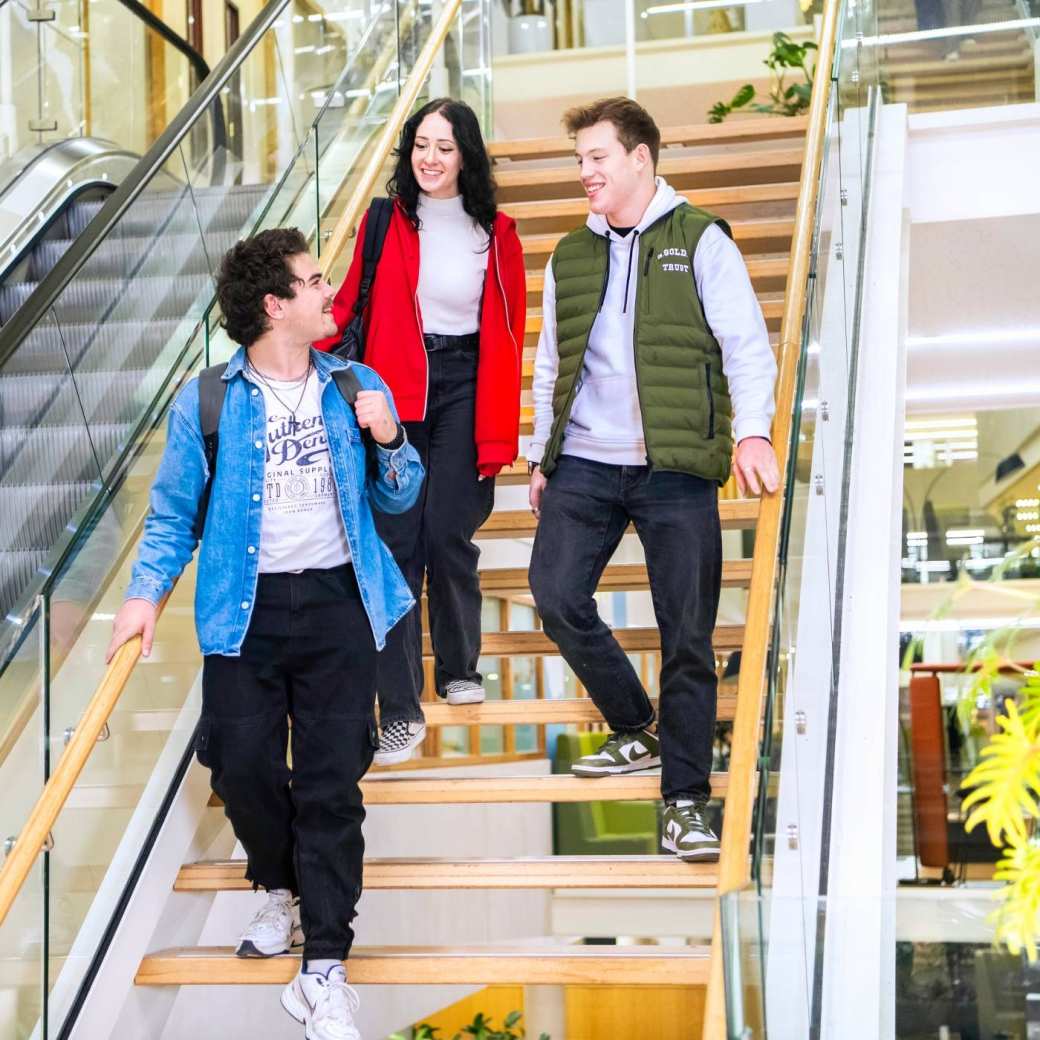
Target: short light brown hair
column 633, row 124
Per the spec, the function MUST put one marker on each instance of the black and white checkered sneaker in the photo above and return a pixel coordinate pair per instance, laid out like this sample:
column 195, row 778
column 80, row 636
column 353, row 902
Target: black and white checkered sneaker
column 397, row 741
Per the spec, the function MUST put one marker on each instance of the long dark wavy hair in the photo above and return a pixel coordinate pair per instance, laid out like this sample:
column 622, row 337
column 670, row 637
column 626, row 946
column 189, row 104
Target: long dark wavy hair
column 476, row 184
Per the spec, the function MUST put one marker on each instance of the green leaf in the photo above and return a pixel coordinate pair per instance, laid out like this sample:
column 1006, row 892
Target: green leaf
column 743, row 96
column 512, row 1018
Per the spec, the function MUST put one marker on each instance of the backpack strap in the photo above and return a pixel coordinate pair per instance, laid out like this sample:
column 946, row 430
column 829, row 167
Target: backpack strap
column 212, row 390
column 380, row 211
column 348, row 383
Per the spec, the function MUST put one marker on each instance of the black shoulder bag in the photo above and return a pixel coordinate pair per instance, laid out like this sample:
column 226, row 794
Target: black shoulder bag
column 352, row 344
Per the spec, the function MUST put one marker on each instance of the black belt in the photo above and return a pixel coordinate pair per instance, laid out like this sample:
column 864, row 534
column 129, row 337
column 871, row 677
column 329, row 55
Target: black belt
column 469, row 342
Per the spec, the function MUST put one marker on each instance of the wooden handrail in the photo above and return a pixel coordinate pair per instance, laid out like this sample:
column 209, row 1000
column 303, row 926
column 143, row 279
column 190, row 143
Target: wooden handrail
column 359, row 198
column 56, row 791
column 734, row 865
column 33, row 835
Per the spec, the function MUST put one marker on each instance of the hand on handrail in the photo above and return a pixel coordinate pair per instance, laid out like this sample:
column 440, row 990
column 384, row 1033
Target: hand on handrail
column 755, row 467
column 135, row 617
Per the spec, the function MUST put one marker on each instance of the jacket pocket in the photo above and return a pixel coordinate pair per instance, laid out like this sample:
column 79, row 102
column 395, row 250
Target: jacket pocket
column 711, row 400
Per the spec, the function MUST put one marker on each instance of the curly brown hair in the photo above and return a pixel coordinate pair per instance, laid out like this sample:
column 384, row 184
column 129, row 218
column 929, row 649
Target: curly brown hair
column 252, row 269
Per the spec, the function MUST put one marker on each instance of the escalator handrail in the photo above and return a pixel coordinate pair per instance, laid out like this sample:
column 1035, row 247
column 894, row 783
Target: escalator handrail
column 175, row 40
column 54, row 283
column 103, row 701
column 734, row 861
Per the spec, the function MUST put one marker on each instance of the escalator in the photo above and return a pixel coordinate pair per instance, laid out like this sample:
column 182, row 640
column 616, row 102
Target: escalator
column 103, row 286
column 119, row 314
column 67, row 142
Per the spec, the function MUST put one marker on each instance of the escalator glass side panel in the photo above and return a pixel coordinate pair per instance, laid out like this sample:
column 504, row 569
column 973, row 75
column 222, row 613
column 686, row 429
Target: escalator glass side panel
column 69, row 78
column 132, row 325
column 126, row 319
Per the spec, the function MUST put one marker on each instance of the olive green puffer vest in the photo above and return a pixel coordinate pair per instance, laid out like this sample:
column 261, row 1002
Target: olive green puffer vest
column 683, row 394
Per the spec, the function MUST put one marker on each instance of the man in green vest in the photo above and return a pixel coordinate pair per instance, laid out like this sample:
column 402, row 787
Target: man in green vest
column 653, row 363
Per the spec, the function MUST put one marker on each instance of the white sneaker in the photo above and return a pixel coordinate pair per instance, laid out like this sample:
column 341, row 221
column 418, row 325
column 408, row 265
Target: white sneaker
column 275, row 929
column 397, row 741
column 463, row 691
column 324, row 1004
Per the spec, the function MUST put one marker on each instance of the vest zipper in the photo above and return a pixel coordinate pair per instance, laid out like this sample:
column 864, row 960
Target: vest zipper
column 628, row 273
column 646, row 278
column 606, row 281
column 711, row 401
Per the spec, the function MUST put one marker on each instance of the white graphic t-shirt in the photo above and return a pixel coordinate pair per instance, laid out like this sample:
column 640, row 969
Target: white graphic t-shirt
column 302, row 526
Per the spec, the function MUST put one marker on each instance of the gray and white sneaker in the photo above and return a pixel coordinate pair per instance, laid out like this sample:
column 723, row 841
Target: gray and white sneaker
column 686, row 832
column 464, row 691
column 274, row 930
column 621, row 753
column 397, row 741
column 324, row 1004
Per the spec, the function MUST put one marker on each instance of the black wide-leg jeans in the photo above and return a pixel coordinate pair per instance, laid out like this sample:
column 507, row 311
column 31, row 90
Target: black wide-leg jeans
column 434, row 540
column 586, row 508
column 309, row 656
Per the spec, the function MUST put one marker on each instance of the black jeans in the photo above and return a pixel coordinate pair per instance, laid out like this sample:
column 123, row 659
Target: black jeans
column 585, row 510
column 309, row 655
column 434, row 539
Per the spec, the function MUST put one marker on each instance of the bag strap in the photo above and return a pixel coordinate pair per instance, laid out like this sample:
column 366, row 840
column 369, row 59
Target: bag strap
column 212, row 390
column 348, row 384
column 380, row 211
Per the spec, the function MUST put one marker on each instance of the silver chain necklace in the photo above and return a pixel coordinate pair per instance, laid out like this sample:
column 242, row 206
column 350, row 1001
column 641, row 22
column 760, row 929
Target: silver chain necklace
column 301, row 382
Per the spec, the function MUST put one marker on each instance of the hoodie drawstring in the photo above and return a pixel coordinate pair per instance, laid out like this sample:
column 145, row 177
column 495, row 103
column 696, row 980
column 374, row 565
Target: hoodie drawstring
column 628, row 276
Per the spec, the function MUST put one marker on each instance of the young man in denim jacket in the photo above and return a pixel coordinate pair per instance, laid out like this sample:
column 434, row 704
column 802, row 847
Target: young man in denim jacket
column 294, row 597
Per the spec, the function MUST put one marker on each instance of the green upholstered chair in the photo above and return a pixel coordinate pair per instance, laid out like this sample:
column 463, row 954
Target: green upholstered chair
column 599, row 828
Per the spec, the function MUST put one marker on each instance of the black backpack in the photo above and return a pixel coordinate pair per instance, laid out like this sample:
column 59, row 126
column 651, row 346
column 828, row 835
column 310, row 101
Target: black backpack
column 212, row 389
column 352, row 343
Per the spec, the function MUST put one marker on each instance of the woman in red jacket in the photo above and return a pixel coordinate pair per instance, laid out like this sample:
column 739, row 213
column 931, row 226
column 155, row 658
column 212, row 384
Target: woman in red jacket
column 444, row 327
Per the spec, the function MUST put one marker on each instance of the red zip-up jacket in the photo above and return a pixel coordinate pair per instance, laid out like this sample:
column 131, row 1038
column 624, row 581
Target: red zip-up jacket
column 394, row 333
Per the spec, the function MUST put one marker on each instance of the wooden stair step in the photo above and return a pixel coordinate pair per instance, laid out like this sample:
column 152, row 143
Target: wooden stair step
column 529, row 965
column 620, row 577
column 631, row 640
column 393, row 789
column 760, row 129
column 753, row 167
column 548, row 209
column 735, row 514
column 528, row 712
column 537, row 872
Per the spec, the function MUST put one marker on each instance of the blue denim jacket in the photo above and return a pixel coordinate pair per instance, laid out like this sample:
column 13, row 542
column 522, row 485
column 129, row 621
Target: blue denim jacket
column 229, row 557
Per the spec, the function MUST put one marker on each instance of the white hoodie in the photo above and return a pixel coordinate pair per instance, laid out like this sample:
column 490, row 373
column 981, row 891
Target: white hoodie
column 605, row 423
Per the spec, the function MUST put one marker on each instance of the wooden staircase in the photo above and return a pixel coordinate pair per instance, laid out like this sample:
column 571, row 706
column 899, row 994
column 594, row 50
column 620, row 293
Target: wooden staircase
column 747, row 172
column 996, row 69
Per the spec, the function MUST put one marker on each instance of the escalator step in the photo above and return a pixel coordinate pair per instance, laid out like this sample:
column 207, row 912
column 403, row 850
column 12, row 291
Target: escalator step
column 38, row 454
column 36, row 514
column 124, row 256
column 80, row 214
column 114, row 345
column 54, row 400
column 17, row 568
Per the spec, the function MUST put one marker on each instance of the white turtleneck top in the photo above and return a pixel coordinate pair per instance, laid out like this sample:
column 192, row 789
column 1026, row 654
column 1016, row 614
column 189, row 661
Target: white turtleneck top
column 453, row 259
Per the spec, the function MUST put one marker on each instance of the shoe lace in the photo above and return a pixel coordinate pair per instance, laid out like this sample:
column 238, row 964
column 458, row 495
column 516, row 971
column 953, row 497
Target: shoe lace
column 458, row 684
column 337, row 1000
column 274, row 912
column 695, row 815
